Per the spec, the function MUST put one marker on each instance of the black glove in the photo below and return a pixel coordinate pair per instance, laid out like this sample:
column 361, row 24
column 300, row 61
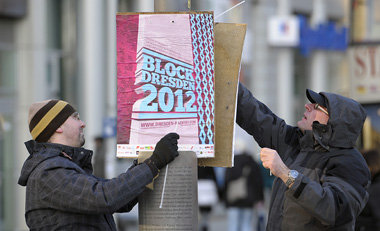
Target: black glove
column 165, row 152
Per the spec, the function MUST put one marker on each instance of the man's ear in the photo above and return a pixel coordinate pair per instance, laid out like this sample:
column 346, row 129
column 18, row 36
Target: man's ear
column 59, row 130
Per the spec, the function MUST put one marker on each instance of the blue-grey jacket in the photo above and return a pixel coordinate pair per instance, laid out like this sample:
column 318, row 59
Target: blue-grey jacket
column 331, row 189
column 62, row 193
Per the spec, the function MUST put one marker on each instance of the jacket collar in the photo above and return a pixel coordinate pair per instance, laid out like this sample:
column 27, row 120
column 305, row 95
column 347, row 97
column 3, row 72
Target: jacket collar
column 322, row 134
column 306, row 140
column 80, row 156
column 309, row 142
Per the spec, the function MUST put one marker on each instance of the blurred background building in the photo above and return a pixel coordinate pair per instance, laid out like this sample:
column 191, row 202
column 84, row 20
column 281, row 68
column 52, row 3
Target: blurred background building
column 67, row 49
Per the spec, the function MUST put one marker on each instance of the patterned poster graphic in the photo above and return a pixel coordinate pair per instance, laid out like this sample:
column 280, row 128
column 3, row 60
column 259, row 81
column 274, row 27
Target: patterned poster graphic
column 165, row 81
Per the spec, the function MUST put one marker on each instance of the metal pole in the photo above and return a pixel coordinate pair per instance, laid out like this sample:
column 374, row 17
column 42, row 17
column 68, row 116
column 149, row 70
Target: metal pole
column 111, row 106
column 285, row 73
column 92, row 68
column 319, row 63
column 30, row 59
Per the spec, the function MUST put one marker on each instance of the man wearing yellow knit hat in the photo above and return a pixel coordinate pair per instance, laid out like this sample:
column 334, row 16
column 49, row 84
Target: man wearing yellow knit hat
column 61, row 192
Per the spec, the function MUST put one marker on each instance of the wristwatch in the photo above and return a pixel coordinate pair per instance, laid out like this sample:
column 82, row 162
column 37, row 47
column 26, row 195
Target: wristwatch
column 292, row 175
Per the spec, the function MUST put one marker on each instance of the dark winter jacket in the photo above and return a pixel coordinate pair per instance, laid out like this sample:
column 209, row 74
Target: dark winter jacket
column 246, row 169
column 369, row 219
column 331, row 189
column 62, row 193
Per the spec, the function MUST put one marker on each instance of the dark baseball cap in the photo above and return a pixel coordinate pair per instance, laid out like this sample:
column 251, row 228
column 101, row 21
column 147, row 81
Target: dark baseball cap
column 314, row 97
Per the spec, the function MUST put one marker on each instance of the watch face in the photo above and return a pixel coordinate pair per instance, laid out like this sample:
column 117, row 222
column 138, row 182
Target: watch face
column 293, row 173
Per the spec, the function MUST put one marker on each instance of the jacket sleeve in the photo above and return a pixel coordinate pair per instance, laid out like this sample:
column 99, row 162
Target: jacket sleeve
column 129, row 206
column 66, row 188
column 340, row 195
column 259, row 121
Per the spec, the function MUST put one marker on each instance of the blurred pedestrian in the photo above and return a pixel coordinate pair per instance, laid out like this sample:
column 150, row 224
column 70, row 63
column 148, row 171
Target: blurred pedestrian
column 321, row 177
column 220, row 175
column 244, row 192
column 268, row 179
column 207, row 195
column 369, row 219
column 61, row 191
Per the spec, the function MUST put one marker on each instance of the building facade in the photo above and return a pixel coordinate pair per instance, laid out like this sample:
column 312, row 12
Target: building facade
column 67, row 49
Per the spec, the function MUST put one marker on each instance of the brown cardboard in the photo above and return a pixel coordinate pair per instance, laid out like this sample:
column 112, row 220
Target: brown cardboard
column 229, row 40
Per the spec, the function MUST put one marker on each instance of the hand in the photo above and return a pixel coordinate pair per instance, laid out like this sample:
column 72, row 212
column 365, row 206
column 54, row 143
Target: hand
column 166, row 150
column 274, row 163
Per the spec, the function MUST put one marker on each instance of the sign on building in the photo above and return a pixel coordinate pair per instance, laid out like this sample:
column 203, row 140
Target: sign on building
column 365, row 73
column 283, row 31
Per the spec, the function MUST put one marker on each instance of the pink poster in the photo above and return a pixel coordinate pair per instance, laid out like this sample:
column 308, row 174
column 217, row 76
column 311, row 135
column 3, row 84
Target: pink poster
column 165, row 81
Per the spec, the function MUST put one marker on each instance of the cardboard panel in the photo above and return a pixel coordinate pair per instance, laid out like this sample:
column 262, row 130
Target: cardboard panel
column 229, row 40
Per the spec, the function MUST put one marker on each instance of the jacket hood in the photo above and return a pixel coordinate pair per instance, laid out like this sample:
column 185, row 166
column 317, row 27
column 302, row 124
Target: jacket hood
column 33, row 160
column 39, row 152
column 344, row 125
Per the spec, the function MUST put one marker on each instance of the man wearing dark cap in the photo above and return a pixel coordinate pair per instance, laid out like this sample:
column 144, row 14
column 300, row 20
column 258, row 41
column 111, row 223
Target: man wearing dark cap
column 321, row 178
column 61, row 192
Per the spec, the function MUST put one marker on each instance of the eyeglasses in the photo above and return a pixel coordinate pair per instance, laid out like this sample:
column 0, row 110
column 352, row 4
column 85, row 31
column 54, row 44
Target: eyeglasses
column 319, row 107
column 76, row 116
